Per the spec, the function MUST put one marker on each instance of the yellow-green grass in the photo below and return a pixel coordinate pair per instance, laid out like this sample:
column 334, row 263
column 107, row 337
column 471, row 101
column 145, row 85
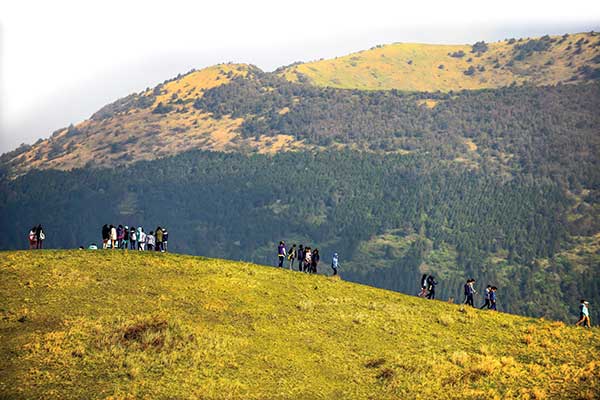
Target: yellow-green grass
column 429, row 67
column 110, row 324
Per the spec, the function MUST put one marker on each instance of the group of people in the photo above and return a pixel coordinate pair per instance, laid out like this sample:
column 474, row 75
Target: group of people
column 134, row 238
column 36, row 237
column 489, row 296
column 428, row 284
column 307, row 259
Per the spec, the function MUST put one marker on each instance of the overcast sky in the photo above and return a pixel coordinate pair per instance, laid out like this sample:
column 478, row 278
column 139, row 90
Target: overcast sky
column 62, row 60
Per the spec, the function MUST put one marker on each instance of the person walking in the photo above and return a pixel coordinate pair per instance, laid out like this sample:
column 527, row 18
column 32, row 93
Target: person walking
column 316, row 257
column 486, row 297
column 300, row 257
column 469, row 292
column 165, row 239
column 113, row 236
column 159, row 238
column 32, row 238
column 423, row 283
column 335, row 263
column 493, row 298
column 40, row 236
column 281, row 253
column 132, row 238
column 584, row 314
column 292, row 256
column 431, row 283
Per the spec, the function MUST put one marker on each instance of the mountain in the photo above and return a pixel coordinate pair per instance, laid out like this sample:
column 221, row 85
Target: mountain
column 111, row 324
column 547, row 60
column 500, row 184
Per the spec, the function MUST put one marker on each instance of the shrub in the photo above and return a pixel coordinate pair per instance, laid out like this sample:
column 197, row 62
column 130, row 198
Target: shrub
column 162, row 109
column 457, row 54
column 469, row 71
column 479, row 47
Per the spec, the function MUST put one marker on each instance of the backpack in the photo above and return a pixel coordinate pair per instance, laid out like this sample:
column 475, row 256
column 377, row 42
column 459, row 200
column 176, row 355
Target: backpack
column 42, row 236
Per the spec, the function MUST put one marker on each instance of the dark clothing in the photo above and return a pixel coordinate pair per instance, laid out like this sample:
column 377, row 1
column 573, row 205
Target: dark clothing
column 431, row 283
column 469, row 300
column 281, row 258
column 486, row 304
column 493, row 300
column 105, row 232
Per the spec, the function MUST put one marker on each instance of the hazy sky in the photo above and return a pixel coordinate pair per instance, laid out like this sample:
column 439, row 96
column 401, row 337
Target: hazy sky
column 62, row 60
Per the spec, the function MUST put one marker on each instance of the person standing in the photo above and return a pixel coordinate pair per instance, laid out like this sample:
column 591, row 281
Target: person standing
column 165, row 239
column 281, row 253
column 335, row 264
column 150, row 241
column 32, row 238
column 423, row 282
column 159, row 238
column 113, row 236
column 292, row 256
column 40, row 236
column 493, row 298
column 300, row 257
column 141, row 238
column 105, row 236
column 316, row 257
column 307, row 259
column 125, row 244
column 431, row 283
column 120, row 236
column 132, row 238
column 486, row 297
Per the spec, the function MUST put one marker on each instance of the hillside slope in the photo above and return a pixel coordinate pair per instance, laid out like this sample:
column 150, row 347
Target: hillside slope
column 81, row 324
column 431, row 67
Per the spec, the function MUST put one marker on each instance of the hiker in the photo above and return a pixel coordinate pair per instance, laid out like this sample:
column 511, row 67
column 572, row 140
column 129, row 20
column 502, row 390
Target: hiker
column 431, row 282
column 307, row 259
column 314, row 262
column 584, row 314
column 125, row 243
column 150, row 241
column 469, row 292
column 113, row 236
column 486, row 297
column 40, row 236
column 300, row 257
column 335, row 264
column 32, row 238
column 423, row 292
column 132, row 236
column 165, row 239
column 159, row 238
column 281, row 253
column 493, row 298
column 141, row 238
column 120, row 236
column 292, row 256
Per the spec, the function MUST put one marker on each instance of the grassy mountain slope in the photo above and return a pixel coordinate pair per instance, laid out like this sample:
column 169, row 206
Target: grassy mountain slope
column 431, row 67
column 103, row 324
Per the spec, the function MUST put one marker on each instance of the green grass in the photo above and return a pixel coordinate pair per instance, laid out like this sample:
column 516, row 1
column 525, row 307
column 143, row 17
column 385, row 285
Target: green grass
column 103, row 324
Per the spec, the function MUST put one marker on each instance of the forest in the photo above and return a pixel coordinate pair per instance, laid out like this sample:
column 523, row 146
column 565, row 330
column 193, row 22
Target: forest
column 236, row 206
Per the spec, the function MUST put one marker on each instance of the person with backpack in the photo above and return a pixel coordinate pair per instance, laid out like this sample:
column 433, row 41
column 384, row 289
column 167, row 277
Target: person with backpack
column 165, row 239
column 281, row 253
column 314, row 262
column 159, row 238
column 32, row 238
column 335, row 263
column 40, row 236
column 486, row 297
column 150, row 241
column 423, row 283
column 291, row 256
column 307, row 259
column 113, row 236
column 120, row 236
column 469, row 292
column 431, row 283
column 300, row 257
column 132, row 238
column 493, row 298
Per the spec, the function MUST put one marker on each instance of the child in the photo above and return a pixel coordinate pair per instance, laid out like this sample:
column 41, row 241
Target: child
column 32, row 239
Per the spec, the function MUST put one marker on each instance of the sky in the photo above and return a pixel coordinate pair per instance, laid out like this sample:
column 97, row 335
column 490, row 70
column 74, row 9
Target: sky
column 60, row 60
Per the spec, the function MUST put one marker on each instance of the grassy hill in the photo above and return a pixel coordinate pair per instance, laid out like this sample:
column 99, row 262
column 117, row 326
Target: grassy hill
column 81, row 324
column 432, row 67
